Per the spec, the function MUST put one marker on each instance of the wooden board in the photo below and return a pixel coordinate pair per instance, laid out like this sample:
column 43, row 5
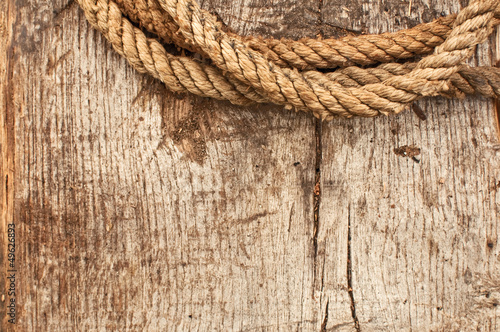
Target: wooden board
column 137, row 209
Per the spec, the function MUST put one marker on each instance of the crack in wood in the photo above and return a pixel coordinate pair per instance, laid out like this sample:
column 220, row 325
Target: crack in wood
column 497, row 108
column 325, row 319
column 317, row 190
column 320, row 19
column 349, row 272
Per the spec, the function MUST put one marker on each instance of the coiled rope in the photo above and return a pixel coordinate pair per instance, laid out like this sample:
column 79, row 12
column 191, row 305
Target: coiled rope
column 248, row 70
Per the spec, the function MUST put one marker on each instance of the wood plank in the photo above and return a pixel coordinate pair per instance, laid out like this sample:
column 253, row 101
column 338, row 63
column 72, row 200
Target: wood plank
column 7, row 148
column 424, row 232
column 139, row 209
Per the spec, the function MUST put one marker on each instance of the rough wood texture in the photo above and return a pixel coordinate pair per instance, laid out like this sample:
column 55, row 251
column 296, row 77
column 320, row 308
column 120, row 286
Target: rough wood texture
column 129, row 216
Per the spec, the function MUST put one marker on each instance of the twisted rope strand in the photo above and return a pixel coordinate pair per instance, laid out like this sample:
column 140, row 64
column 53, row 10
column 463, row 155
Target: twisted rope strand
column 145, row 55
column 468, row 80
column 322, row 96
column 180, row 74
column 483, row 80
column 248, row 76
column 307, row 53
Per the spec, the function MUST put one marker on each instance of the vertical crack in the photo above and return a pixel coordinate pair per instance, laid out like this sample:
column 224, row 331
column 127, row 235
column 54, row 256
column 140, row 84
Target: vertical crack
column 317, row 189
column 325, row 320
column 319, row 152
column 317, row 186
column 317, row 166
column 349, row 272
column 319, row 23
column 497, row 108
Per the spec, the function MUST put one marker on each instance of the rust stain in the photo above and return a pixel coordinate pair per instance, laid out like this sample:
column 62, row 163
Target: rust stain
column 419, row 112
column 409, row 151
column 192, row 123
column 189, row 135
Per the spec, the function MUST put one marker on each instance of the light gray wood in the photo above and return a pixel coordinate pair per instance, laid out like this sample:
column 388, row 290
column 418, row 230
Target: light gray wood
column 131, row 217
column 424, row 235
column 7, row 148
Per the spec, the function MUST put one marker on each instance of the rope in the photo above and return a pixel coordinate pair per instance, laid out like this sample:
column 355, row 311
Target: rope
column 307, row 53
column 146, row 55
column 244, row 72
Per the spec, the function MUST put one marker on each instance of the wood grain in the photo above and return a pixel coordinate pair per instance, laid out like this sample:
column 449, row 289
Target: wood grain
column 140, row 210
column 424, row 231
column 7, row 150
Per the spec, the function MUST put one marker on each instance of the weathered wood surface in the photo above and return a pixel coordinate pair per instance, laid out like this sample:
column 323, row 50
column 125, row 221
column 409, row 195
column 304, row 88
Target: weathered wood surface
column 131, row 217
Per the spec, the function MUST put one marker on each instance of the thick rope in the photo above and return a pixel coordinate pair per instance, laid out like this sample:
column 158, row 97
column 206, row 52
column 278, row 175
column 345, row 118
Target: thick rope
column 180, row 74
column 320, row 95
column 468, row 80
column 307, row 53
column 247, row 76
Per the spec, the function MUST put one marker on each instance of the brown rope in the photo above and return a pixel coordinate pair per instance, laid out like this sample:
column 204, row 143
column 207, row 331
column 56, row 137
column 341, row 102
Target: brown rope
column 315, row 92
column 247, row 76
column 180, row 74
column 468, row 80
column 307, row 53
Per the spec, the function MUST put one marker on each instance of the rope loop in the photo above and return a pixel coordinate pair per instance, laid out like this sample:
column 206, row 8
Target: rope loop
column 249, row 70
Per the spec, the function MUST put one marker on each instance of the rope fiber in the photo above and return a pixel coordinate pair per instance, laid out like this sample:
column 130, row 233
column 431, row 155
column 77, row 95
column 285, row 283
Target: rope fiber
column 249, row 70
